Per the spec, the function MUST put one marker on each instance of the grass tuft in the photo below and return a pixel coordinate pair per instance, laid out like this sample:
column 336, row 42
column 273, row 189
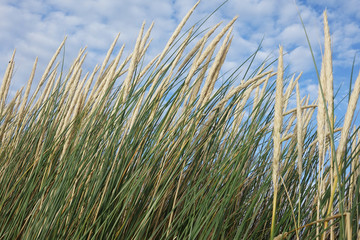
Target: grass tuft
column 174, row 148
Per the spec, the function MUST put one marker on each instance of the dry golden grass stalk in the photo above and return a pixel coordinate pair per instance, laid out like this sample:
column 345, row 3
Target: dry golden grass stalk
column 48, row 87
column 214, row 71
column 348, row 228
column 49, row 66
column 256, row 99
column 299, row 125
column 71, row 82
column 110, row 76
column 100, row 77
column 73, row 85
column 285, row 234
column 263, row 89
column 239, row 110
column 106, row 60
column 278, row 117
column 156, row 78
column 321, row 140
column 70, row 75
column 308, row 116
column 144, row 70
column 328, row 72
column 200, row 78
column 281, row 236
column 144, row 45
column 328, row 90
column 4, row 89
column 343, row 140
column 165, row 82
column 8, row 114
column 348, row 121
column 303, row 107
column 197, row 49
column 290, row 89
column 344, row 135
column 176, row 32
column 133, row 63
column 257, row 81
column 27, row 90
column 75, row 101
column 216, row 40
column 286, row 134
column 209, row 50
column 86, row 91
column 328, row 135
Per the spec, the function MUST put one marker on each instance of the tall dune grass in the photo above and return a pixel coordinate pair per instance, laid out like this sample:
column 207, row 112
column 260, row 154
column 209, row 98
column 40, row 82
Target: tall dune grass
column 164, row 150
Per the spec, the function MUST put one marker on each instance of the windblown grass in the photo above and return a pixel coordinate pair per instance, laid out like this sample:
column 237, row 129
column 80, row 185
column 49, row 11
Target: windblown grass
column 163, row 150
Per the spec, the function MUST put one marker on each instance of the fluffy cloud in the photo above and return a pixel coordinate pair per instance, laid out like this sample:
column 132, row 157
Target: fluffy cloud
column 36, row 28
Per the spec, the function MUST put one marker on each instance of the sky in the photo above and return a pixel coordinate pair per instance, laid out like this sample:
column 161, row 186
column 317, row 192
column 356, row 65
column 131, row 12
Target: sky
column 35, row 28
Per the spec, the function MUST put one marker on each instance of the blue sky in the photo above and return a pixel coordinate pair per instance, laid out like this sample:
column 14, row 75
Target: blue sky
column 36, row 28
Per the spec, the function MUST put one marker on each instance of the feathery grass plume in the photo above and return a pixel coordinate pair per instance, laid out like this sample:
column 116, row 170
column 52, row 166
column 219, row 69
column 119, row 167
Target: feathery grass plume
column 8, row 115
column 215, row 41
column 198, row 81
column 106, row 60
column 340, row 152
column 290, row 122
column 165, row 83
column 303, row 106
column 321, row 136
column 22, row 110
column 328, row 89
column 144, row 42
column 47, row 71
column 102, row 68
column 309, row 114
column 214, row 69
column 328, row 72
column 256, row 81
column 133, row 64
column 278, row 116
column 239, row 110
column 89, row 82
column 110, row 79
column 176, row 32
column 74, row 68
column 299, row 133
column 4, row 89
column 197, row 49
column 263, row 89
column 288, row 91
column 256, row 98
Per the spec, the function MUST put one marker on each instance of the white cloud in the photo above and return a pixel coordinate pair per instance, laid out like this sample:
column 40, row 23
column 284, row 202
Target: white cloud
column 36, row 28
column 300, row 59
column 293, row 35
column 311, row 89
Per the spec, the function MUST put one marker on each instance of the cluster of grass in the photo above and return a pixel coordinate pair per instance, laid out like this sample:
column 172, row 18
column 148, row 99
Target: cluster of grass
column 157, row 150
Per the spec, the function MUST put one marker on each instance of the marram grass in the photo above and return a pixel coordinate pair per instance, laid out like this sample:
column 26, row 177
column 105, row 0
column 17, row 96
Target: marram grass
column 164, row 150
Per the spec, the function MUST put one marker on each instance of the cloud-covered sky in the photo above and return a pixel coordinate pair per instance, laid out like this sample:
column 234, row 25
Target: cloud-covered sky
column 37, row 27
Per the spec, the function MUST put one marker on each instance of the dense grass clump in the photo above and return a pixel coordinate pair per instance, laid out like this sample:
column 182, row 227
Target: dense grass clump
column 162, row 150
